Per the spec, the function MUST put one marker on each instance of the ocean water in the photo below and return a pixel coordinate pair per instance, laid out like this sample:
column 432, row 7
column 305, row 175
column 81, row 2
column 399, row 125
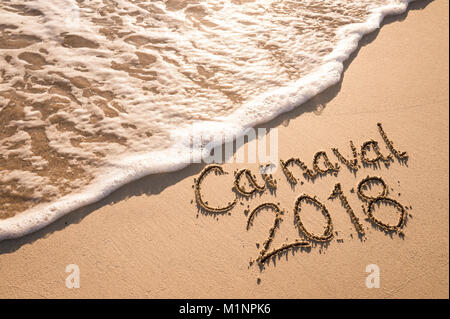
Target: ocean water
column 94, row 93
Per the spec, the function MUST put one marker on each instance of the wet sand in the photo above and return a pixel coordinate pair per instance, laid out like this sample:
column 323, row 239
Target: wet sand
column 149, row 238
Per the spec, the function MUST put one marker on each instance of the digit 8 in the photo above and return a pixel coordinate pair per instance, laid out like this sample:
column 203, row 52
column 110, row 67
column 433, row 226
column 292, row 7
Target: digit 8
column 367, row 180
column 381, row 198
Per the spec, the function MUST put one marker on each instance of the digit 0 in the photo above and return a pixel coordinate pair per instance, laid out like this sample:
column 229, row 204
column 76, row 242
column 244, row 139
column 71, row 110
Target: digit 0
column 328, row 232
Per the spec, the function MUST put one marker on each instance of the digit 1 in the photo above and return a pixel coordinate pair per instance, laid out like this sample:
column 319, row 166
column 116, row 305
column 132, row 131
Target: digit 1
column 337, row 192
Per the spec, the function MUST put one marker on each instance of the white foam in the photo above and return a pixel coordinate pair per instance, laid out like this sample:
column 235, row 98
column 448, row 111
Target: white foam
column 229, row 41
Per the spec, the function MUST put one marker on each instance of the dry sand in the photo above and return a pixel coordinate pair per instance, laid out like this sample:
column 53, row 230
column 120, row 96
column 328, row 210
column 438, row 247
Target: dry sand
column 148, row 240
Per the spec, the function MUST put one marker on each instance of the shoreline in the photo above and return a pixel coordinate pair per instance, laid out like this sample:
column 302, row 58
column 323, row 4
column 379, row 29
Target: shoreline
column 141, row 229
column 128, row 169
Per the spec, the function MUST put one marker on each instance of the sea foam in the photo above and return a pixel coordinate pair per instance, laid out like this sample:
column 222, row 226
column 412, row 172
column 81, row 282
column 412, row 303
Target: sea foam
column 91, row 92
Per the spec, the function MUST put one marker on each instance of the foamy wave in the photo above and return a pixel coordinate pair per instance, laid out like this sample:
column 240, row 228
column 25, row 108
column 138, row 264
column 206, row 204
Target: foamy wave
column 94, row 91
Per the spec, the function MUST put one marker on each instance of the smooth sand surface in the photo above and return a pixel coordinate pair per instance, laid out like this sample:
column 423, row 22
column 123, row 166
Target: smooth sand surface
column 148, row 239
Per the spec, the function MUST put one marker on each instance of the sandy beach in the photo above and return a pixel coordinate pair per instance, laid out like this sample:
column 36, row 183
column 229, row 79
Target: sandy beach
column 149, row 239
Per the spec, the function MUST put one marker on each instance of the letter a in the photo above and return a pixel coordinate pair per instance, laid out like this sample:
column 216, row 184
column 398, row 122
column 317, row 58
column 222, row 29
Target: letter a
column 373, row 279
column 73, row 280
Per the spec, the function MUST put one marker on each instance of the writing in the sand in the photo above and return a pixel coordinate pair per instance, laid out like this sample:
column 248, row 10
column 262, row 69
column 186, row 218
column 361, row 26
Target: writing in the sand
column 369, row 155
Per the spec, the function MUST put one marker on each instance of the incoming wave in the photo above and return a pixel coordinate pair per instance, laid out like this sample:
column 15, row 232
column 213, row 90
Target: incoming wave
column 91, row 92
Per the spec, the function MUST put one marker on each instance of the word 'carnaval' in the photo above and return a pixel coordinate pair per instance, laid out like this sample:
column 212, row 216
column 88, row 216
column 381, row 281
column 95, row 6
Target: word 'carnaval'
column 321, row 166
